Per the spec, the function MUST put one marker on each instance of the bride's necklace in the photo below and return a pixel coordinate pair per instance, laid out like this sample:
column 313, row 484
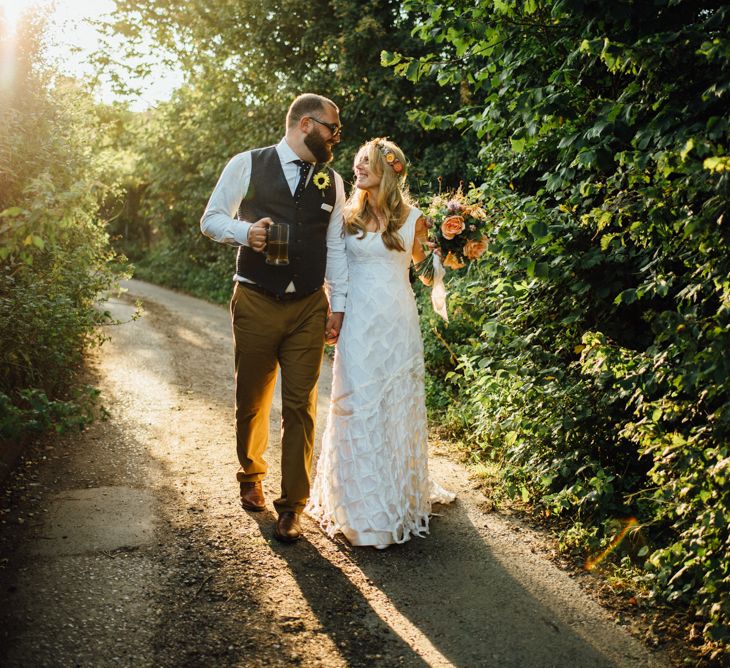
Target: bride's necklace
column 380, row 221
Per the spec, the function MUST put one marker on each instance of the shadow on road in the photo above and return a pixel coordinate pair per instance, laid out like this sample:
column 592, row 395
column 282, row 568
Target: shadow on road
column 342, row 609
column 448, row 595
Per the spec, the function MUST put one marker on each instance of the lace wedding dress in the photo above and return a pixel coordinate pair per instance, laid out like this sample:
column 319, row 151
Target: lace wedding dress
column 372, row 481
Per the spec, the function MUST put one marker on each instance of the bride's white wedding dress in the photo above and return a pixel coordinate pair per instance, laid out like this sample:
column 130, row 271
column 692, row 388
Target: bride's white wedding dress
column 372, row 480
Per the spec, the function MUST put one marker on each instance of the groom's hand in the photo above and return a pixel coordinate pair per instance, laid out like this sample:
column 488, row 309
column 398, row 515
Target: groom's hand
column 332, row 328
column 257, row 234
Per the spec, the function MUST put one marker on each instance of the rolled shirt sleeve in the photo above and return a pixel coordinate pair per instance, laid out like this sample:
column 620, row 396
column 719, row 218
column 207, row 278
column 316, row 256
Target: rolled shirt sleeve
column 219, row 221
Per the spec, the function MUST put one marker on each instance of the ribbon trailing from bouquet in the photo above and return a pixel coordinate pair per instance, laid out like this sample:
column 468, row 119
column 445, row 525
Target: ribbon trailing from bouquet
column 438, row 289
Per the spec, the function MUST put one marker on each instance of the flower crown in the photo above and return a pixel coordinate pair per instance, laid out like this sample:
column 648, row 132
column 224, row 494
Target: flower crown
column 390, row 157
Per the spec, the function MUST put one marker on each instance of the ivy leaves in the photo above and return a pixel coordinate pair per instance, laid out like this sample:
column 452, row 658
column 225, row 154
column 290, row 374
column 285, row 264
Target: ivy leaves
column 603, row 149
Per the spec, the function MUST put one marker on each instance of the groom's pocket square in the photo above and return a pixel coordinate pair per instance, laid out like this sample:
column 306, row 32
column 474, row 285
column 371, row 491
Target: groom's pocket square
column 326, row 207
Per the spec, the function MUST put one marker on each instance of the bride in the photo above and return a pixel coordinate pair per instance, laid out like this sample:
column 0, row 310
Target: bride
column 372, row 479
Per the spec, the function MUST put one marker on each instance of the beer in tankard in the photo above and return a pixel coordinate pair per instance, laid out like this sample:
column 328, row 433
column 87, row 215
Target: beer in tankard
column 277, row 244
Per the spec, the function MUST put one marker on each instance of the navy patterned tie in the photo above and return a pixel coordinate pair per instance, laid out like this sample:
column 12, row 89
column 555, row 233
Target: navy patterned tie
column 303, row 174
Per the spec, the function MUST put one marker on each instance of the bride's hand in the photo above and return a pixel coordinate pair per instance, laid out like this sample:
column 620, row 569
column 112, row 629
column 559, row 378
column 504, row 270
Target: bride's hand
column 332, row 328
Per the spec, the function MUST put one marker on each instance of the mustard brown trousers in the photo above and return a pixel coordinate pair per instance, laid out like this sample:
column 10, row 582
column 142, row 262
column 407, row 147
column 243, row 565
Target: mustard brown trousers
column 268, row 334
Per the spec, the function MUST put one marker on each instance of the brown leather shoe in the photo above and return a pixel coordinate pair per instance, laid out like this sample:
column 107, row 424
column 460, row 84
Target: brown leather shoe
column 252, row 496
column 288, row 528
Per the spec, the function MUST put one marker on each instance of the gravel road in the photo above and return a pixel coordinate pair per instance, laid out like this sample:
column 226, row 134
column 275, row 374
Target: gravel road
column 125, row 545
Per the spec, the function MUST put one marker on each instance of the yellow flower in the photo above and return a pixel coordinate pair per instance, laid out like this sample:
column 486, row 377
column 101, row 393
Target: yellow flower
column 321, row 180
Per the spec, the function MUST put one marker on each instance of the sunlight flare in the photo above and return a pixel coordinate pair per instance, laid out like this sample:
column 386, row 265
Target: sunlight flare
column 628, row 525
column 11, row 11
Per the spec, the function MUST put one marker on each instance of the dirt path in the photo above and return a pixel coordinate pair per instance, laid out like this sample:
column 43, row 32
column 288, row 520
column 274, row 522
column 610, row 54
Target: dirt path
column 126, row 546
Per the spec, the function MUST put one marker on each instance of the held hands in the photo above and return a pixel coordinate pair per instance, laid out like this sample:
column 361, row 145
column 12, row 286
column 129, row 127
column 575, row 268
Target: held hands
column 257, row 234
column 332, row 328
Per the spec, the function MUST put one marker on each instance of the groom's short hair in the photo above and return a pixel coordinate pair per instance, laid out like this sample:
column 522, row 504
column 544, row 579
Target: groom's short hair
column 306, row 104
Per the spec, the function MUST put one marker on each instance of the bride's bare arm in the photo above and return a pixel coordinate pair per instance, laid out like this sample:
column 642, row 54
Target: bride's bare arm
column 419, row 242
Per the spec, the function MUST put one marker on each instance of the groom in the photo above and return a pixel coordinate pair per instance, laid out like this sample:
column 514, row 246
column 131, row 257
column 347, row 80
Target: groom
column 281, row 314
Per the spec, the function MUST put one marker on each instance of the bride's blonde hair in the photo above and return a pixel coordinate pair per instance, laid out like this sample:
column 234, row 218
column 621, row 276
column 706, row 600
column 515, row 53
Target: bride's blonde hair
column 386, row 160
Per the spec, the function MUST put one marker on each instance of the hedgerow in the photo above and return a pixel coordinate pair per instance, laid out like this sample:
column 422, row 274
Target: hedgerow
column 54, row 255
column 589, row 349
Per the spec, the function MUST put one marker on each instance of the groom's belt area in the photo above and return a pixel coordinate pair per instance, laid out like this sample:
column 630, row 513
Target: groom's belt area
column 286, row 297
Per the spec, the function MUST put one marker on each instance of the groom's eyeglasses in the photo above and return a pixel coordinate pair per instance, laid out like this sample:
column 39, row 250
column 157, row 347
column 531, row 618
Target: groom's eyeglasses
column 335, row 129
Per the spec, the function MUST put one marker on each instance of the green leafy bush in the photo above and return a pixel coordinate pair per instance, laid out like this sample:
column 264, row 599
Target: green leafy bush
column 592, row 342
column 192, row 265
column 54, row 254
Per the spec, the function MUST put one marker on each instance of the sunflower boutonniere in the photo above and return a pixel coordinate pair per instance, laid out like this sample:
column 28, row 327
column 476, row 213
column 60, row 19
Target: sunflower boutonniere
column 321, row 180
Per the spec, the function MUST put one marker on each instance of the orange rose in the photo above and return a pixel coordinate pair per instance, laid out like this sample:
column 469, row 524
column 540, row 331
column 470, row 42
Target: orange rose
column 452, row 226
column 474, row 249
column 451, row 261
column 474, row 211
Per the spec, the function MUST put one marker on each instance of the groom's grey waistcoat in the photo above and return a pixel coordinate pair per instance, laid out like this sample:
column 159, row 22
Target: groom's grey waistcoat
column 269, row 195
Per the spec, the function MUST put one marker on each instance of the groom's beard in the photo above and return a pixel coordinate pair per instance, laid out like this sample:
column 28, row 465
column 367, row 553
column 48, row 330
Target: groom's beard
column 315, row 142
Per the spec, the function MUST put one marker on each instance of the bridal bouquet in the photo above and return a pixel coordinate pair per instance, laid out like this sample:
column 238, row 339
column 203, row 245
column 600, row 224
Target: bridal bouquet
column 458, row 234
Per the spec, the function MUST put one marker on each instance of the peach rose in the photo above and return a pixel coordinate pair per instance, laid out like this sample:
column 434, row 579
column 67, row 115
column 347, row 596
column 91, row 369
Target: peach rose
column 452, row 226
column 452, row 262
column 474, row 249
column 474, row 211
